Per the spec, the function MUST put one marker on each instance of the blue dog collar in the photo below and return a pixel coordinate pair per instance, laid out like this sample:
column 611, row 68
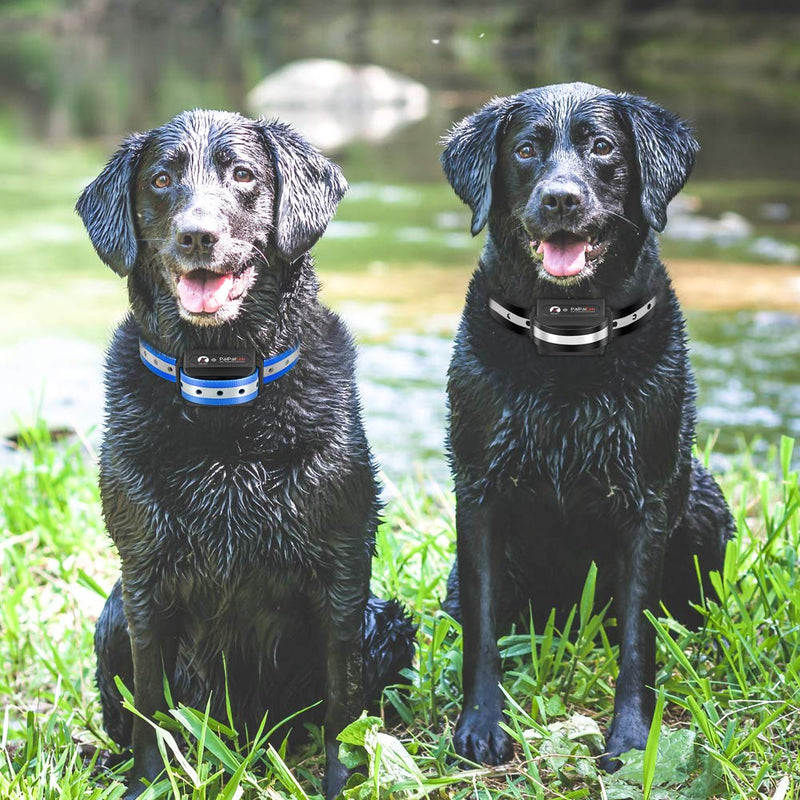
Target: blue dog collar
column 571, row 327
column 217, row 392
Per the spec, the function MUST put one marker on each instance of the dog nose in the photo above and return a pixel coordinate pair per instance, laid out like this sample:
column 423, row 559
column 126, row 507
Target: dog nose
column 199, row 237
column 560, row 199
column 197, row 230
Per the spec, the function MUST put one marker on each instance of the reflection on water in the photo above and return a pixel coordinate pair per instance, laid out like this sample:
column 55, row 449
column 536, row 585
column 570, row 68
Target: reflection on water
column 402, row 385
column 102, row 68
column 746, row 364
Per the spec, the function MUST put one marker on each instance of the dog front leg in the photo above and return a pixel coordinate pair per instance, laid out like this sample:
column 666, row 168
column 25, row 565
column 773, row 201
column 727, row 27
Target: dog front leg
column 478, row 735
column 154, row 650
column 638, row 590
column 344, row 676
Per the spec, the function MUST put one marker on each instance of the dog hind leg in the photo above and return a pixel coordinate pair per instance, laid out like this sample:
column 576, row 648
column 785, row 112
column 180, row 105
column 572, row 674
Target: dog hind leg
column 452, row 600
column 112, row 646
column 704, row 531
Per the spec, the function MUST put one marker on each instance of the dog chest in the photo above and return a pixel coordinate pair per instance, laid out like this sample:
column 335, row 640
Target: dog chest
column 211, row 518
column 592, row 443
column 577, row 425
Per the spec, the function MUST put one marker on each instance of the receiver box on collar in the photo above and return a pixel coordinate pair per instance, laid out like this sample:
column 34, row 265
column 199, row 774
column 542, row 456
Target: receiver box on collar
column 219, row 364
column 570, row 327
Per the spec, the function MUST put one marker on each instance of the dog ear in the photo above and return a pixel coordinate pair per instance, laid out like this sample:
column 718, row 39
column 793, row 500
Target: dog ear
column 665, row 150
column 308, row 187
column 106, row 208
column 470, row 157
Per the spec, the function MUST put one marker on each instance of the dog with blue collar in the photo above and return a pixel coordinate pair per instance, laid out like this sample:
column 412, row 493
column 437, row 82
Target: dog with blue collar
column 218, row 377
column 235, row 475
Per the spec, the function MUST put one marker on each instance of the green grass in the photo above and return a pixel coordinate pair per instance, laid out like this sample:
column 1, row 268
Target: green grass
column 728, row 700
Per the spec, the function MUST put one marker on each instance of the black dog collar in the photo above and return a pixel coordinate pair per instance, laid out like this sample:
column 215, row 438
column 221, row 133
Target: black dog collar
column 570, row 327
column 218, row 377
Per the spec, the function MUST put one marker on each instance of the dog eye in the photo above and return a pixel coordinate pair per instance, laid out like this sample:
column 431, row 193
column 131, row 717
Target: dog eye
column 602, row 147
column 162, row 180
column 242, row 175
column 526, row 151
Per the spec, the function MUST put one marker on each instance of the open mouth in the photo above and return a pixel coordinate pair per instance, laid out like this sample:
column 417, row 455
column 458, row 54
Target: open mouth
column 203, row 291
column 566, row 254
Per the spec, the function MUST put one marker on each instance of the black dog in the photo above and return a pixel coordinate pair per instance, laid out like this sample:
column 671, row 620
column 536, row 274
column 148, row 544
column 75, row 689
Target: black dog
column 562, row 456
column 246, row 530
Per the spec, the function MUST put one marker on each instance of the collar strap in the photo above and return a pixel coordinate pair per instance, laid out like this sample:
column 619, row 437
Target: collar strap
column 216, row 391
column 571, row 327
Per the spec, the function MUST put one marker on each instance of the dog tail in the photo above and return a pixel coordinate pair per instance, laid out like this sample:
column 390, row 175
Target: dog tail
column 389, row 644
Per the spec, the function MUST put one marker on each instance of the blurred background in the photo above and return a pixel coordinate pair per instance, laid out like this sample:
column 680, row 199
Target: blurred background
column 375, row 85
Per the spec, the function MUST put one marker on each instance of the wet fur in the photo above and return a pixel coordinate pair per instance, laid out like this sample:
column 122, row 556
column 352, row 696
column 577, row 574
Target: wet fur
column 561, row 461
column 246, row 533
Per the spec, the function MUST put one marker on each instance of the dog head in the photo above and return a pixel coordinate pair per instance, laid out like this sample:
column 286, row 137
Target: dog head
column 579, row 172
column 206, row 202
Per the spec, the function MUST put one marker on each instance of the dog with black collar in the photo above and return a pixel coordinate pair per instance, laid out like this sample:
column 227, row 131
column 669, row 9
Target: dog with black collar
column 235, row 475
column 571, row 397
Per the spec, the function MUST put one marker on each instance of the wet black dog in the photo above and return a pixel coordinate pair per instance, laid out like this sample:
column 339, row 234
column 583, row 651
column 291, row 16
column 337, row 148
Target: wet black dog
column 246, row 532
column 565, row 456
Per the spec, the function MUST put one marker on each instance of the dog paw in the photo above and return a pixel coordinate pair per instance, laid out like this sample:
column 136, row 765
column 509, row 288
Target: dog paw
column 135, row 789
column 632, row 738
column 480, row 738
column 336, row 775
column 609, row 763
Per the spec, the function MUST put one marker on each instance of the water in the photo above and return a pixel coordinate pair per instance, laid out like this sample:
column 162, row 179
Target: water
column 746, row 364
column 748, row 391
column 748, row 370
column 396, row 260
column 402, row 384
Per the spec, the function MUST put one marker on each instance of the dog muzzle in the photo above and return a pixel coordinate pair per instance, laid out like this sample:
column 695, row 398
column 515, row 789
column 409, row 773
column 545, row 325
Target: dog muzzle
column 217, row 377
column 571, row 327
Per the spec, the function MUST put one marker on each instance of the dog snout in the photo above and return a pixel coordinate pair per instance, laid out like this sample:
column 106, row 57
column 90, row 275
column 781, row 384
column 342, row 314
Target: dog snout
column 196, row 232
column 560, row 199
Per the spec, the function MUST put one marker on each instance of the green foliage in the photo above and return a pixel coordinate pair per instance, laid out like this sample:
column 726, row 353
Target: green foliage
column 727, row 706
column 674, row 769
column 387, row 761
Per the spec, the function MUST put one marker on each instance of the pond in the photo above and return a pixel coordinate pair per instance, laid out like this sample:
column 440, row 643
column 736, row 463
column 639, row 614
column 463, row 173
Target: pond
column 746, row 364
column 397, row 259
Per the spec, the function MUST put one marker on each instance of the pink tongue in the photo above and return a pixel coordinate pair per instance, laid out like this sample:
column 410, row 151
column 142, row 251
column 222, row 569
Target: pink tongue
column 563, row 258
column 202, row 290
